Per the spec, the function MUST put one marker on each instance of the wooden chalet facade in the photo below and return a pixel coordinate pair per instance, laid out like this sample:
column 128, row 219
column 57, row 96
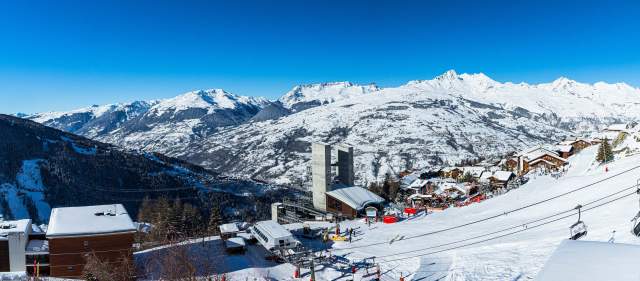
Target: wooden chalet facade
column 349, row 202
column 451, row 172
column 4, row 256
column 76, row 232
column 338, row 207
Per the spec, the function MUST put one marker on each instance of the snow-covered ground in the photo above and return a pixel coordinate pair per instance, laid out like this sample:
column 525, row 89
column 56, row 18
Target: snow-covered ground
column 515, row 256
column 588, row 260
column 471, row 252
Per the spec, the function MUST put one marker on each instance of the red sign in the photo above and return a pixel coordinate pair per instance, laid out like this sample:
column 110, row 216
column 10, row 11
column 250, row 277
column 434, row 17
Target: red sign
column 411, row 211
column 389, row 219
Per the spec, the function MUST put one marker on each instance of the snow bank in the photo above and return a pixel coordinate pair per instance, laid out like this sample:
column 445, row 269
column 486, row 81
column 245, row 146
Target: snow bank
column 592, row 261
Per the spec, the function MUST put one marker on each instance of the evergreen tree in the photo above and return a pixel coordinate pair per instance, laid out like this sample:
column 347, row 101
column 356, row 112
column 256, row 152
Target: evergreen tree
column 215, row 219
column 605, row 154
column 175, row 218
column 467, row 177
column 146, row 210
column 191, row 219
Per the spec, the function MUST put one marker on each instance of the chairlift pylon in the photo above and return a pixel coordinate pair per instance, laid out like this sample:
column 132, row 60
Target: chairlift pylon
column 578, row 229
column 635, row 227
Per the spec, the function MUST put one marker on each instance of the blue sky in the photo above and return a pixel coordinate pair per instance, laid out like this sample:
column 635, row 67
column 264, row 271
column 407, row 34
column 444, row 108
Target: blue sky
column 60, row 55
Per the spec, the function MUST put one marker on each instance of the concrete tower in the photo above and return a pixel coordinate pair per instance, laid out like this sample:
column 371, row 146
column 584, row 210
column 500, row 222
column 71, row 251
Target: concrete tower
column 321, row 170
column 346, row 174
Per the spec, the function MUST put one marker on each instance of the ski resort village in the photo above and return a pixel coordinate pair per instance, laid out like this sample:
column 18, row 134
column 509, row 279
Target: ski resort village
column 559, row 211
column 349, row 140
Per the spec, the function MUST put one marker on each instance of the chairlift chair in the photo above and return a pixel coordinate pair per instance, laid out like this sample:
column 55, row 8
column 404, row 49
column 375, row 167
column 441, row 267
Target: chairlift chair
column 578, row 229
column 635, row 227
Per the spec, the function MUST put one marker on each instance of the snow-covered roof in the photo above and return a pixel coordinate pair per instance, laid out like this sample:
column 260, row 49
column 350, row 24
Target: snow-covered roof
column 486, row 175
column 417, row 195
column 473, row 170
column 617, row 127
column 235, row 242
column 356, row 197
column 570, row 142
column 456, row 187
column 449, row 169
column 540, row 152
column 37, row 246
column 564, row 148
column 89, row 220
column 502, row 175
column 273, row 229
column 229, row 228
column 418, row 183
column 591, row 260
column 16, row 226
column 410, row 178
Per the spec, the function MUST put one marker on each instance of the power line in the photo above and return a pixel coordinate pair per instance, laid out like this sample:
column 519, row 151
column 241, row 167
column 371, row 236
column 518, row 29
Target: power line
column 508, row 234
column 497, row 215
column 522, row 225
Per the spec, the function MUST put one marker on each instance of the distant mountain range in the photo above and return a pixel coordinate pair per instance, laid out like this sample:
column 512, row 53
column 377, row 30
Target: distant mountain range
column 42, row 167
column 425, row 123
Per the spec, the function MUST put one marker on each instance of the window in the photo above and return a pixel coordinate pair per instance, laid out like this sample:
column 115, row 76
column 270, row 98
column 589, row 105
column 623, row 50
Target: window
column 337, row 205
column 69, row 268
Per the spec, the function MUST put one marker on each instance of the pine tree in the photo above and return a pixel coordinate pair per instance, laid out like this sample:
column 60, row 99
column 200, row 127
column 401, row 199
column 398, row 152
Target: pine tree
column 608, row 152
column 191, row 219
column 145, row 212
column 605, row 154
column 215, row 219
column 175, row 218
column 600, row 155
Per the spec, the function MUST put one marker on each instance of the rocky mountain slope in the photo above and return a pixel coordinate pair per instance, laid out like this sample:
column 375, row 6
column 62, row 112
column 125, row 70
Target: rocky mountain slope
column 41, row 168
column 420, row 124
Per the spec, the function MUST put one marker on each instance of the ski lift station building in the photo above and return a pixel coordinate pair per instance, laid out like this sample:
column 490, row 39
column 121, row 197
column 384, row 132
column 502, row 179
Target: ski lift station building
column 273, row 236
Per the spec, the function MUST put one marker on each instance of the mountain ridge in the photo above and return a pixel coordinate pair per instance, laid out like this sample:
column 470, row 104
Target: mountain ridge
column 423, row 123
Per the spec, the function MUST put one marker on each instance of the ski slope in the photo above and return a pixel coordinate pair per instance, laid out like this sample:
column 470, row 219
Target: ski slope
column 513, row 257
column 509, row 237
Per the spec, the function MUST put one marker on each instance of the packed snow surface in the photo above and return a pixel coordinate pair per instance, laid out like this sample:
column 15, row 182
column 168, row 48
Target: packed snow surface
column 592, row 261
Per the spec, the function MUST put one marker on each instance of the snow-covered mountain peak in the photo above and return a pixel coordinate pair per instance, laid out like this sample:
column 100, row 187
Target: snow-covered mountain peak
column 210, row 100
column 323, row 93
column 564, row 83
column 449, row 75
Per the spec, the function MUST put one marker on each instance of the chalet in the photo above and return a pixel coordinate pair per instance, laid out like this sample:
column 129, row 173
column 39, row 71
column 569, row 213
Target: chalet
column 451, row 172
column 500, row 179
column 14, row 236
column 474, row 171
column 420, row 186
column 75, row 232
column 532, row 159
column 577, row 144
column 565, row 150
column 485, row 177
column 511, row 163
column 351, row 201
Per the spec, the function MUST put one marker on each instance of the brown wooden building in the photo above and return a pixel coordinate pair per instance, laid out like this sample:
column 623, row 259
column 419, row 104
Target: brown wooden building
column 77, row 232
column 351, row 201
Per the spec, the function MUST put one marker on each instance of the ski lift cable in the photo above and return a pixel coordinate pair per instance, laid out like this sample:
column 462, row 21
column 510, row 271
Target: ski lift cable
column 507, row 234
column 502, row 213
column 518, row 226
